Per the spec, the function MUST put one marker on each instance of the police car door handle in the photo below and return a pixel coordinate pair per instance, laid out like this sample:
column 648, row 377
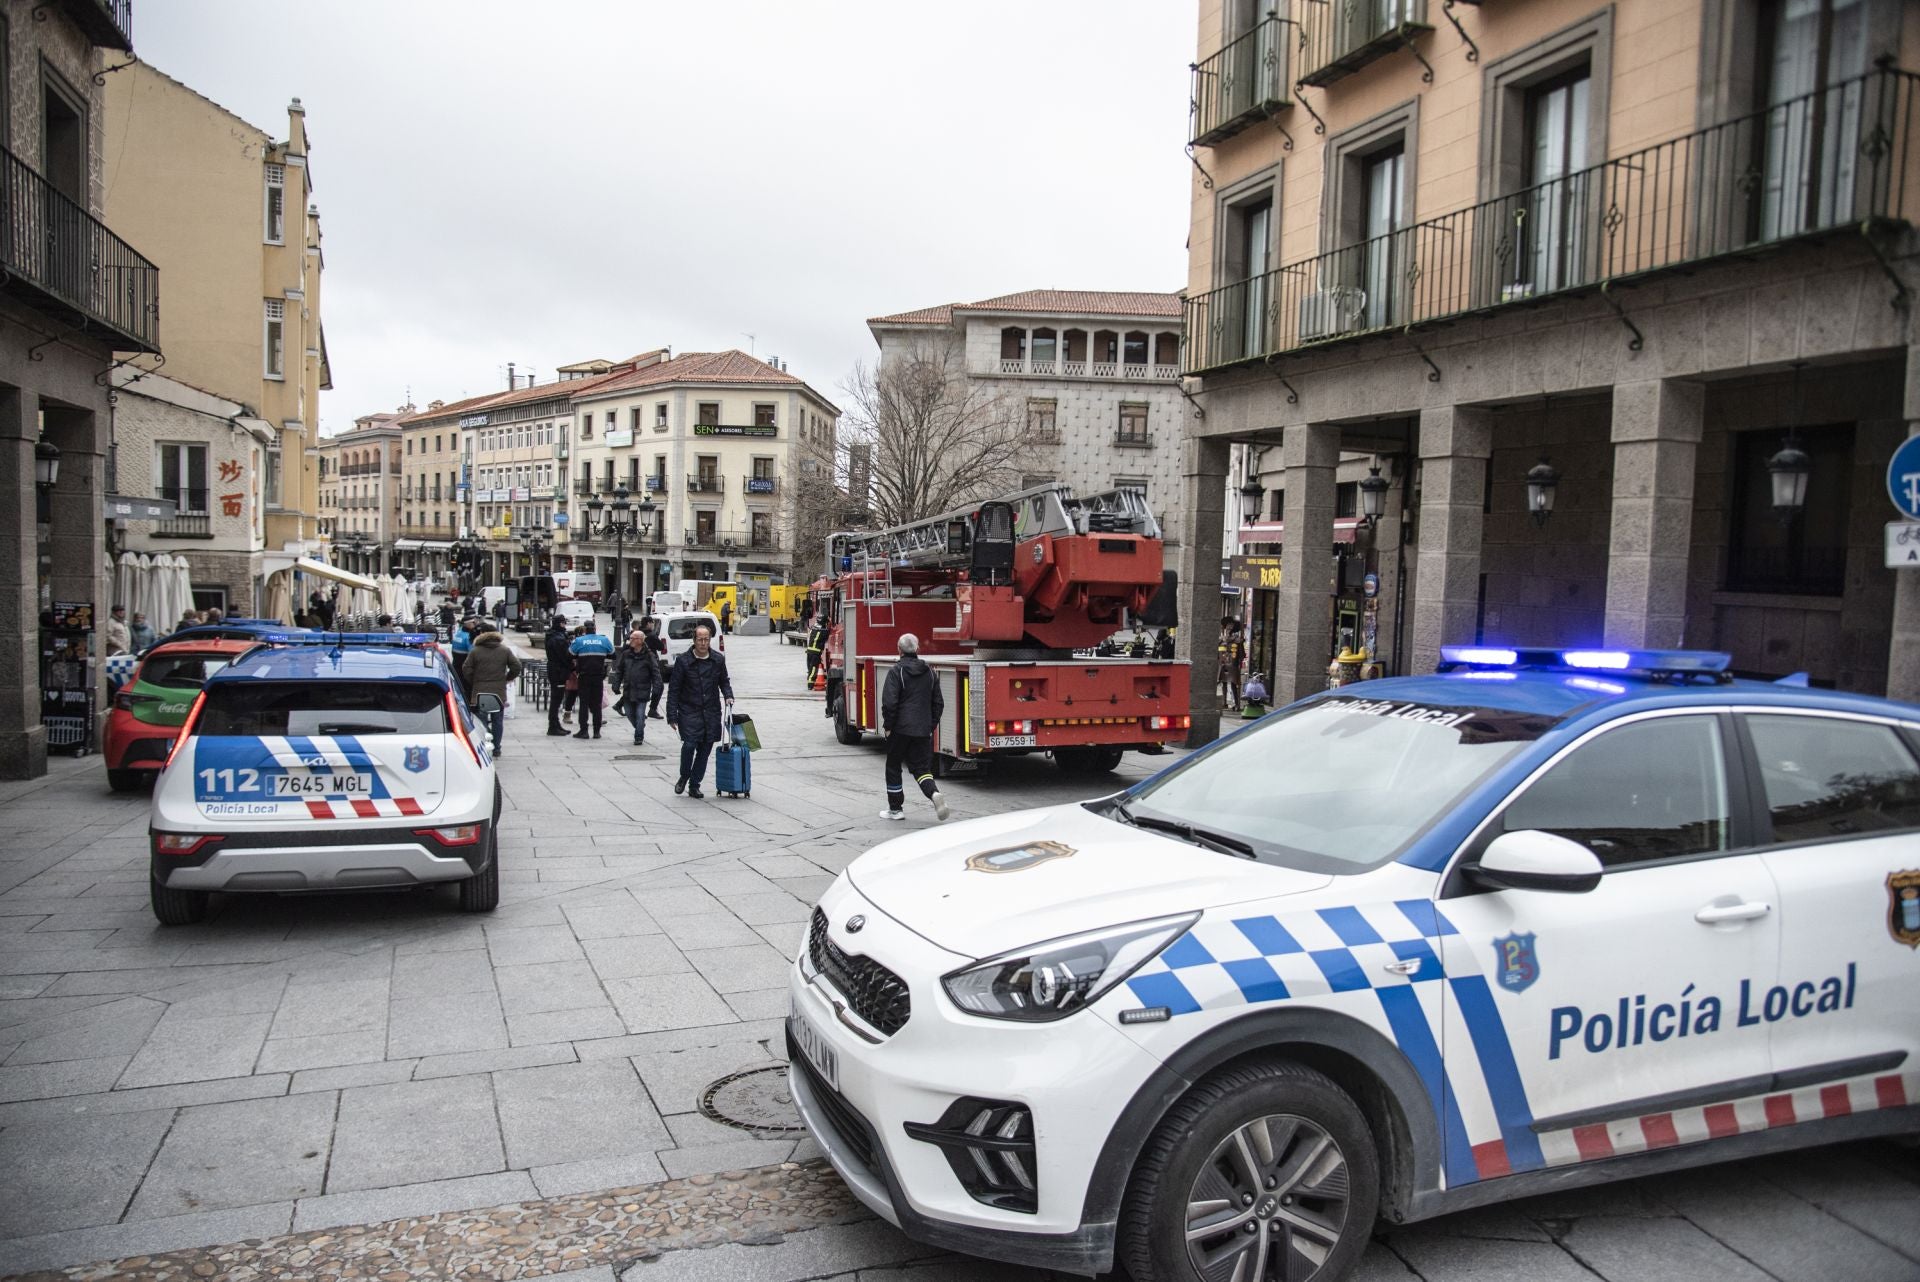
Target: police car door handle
column 1717, row 914
column 1411, row 966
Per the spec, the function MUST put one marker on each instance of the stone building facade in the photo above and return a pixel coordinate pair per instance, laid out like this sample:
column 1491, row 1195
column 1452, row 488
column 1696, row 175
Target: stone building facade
column 1092, row 374
column 1638, row 250
column 367, row 484
column 73, row 291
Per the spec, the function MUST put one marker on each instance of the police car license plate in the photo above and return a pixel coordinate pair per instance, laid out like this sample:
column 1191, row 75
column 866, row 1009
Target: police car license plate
column 1011, row 741
column 348, row 784
column 815, row 1048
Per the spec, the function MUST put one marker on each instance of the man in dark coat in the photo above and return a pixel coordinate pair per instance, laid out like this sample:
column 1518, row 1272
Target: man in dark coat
column 658, row 644
column 559, row 665
column 488, row 669
column 636, row 679
column 699, row 694
column 911, row 705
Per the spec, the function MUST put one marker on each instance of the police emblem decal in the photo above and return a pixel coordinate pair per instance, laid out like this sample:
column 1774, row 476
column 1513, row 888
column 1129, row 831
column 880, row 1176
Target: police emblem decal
column 1903, row 907
column 416, row 759
column 1519, row 962
column 1019, row 858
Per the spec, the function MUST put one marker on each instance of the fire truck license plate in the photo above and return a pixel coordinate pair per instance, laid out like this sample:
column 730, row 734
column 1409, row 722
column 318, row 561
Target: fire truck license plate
column 1011, row 741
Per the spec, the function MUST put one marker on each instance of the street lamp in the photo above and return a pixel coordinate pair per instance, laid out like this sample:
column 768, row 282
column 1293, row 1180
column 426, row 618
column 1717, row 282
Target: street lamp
column 616, row 526
column 1791, row 465
column 1373, row 495
column 46, row 464
column 1541, row 480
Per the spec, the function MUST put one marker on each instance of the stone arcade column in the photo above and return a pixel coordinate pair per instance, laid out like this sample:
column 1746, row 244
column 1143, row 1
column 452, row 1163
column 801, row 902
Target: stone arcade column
column 1308, row 455
column 23, row 741
column 1455, row 443
column 1204, row 492
column 1903, row 653
column 1656, row 434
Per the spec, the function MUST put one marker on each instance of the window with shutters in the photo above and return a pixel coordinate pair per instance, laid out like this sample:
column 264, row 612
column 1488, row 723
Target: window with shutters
column 276, row 213
column 275, row 338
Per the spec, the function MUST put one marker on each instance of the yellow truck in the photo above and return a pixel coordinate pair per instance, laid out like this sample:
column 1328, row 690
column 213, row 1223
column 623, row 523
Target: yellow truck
column 785, row 601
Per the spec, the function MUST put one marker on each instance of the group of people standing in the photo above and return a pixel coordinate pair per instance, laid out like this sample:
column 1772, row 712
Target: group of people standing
column 582, row 665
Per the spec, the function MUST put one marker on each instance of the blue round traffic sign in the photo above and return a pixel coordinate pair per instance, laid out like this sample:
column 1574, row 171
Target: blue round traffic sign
column 1903, row 478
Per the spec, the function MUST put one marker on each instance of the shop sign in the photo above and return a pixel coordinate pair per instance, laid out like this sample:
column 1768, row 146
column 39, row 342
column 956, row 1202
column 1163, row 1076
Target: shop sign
column 617, row 437
column 734, row 429
column 1250, row 572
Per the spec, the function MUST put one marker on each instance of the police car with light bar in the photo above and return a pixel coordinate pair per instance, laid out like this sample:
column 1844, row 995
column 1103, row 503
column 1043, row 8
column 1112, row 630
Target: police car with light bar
column 332, row 761
column 1542, row 919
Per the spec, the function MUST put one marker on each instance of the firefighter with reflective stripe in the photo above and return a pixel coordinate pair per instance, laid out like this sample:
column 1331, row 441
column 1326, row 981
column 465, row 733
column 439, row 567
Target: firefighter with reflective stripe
column 910, row 707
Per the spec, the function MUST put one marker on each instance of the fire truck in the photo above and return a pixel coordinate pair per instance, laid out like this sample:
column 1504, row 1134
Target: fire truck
column 1011, row 600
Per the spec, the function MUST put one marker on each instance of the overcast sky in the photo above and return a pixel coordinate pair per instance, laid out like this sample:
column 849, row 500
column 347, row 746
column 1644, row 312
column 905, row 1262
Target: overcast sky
column 541, row 183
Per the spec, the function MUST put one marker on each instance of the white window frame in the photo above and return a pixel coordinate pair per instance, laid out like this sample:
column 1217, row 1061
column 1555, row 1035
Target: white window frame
column 276, row 180
column 206, row 462
column 273, row 339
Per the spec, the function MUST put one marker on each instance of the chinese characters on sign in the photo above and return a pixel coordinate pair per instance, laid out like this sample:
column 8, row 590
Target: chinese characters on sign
column 234, row 504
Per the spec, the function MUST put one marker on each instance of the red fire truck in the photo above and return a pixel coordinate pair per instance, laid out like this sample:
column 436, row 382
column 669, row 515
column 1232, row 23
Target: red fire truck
column 1010, row 600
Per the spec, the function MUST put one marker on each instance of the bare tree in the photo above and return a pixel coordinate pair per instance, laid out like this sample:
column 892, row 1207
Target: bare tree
column 936, row 439
column 821, row 504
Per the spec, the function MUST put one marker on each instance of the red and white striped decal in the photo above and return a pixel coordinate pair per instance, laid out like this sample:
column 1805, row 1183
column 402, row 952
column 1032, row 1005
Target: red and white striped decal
column 1720, row 1121
column 381, row 808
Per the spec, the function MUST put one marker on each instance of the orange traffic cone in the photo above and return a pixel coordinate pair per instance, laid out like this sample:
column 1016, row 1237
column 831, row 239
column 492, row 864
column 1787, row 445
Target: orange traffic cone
column 819, row 679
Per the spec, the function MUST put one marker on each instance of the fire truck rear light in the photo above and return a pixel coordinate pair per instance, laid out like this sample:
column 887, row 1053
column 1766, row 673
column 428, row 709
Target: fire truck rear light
column 182, row 843
column 456, row 835
column 1169, row 723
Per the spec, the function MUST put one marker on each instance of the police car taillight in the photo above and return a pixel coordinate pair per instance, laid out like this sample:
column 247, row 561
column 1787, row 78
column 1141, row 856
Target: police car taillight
column 456, row 835
column 186, row 727
column 183, row 843
column 459, row 724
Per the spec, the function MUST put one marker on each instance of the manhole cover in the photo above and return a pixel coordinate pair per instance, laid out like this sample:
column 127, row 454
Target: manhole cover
column 756, row 1101
column 638, row 756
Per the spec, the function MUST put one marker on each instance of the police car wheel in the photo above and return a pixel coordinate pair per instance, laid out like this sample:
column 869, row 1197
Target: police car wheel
column 173, row 907
column 1263, row 1173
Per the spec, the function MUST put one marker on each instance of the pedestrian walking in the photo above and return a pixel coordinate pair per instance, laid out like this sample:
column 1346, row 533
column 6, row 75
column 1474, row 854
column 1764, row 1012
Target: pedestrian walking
column 699, row 696
column 488, row 668
column 591, row 653
column 636, row 679
column 119, row 640
column 559, row 668
column 448, row 617
column 910, row 707
column 658, row 644
column 140, row 632
column 726, row 616
column 500, row 612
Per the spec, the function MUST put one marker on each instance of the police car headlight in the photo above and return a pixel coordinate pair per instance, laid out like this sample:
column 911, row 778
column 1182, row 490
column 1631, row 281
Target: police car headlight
column 1052, row 980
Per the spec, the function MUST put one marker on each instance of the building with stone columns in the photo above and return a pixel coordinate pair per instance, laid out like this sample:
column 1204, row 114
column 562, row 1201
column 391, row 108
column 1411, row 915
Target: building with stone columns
column 1656, row 252
column 1093, row 373
column 72, row 292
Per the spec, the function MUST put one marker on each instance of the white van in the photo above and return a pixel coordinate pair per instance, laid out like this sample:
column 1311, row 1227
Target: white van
column 678, row 630
column 580, row 585
column 665, row 603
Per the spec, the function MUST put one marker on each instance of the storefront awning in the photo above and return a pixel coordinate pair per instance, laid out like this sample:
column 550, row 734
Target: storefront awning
column 321, row 568
column 1346, row 529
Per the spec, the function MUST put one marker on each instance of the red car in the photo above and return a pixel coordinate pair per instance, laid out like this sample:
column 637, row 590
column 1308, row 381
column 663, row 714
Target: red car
column 148, row 710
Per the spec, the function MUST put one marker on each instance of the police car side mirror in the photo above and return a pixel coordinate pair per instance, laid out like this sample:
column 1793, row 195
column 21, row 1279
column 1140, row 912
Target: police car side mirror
column 1535, row 860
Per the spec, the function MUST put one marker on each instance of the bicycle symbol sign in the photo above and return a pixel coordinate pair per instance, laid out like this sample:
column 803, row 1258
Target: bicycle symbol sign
column 1903, row 478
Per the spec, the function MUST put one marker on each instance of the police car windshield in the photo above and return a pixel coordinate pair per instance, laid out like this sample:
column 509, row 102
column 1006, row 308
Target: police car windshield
column 1340, row 785
column 324, row 708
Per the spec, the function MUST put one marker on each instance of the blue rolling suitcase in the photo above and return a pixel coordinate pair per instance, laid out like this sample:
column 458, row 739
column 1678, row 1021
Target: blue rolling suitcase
column 733, row 770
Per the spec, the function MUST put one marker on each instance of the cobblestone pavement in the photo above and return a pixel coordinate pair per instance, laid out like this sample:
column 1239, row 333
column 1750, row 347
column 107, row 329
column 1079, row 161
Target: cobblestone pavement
column 377, row 1080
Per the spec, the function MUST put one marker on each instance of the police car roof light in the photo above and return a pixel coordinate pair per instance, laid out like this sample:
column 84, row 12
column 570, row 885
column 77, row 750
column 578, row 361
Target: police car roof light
column 1658, row 663
column 413, row 640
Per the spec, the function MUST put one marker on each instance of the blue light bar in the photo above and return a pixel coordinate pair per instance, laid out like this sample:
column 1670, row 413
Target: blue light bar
column 1609, row 660
column 1480, row 655
column 1598, row 687
column 1489, row 674
column 415, row 640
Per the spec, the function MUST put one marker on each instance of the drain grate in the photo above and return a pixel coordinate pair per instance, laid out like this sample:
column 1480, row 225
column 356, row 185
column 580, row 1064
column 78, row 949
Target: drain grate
column 639, row 756
column 755, row 1100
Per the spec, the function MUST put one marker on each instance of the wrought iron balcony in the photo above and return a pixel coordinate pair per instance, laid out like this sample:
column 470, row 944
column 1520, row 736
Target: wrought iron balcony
column 1246, row 81
column 705, row 483
column 53, row 249
column 1338, row 37
column 107, row 23
column 1839, row 159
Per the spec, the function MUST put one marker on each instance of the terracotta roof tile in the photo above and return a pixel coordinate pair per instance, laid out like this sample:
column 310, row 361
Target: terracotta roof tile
column 1055, row 302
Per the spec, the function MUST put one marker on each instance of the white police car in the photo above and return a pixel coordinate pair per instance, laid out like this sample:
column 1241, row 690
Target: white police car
column 326, row 762
column 1547, row 918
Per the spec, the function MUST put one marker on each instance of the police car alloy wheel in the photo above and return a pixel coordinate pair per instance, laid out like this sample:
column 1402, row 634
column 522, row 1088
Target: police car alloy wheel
column 1264, row 1173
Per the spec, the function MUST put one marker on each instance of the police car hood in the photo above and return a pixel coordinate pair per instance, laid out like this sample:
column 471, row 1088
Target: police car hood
column 990, row 885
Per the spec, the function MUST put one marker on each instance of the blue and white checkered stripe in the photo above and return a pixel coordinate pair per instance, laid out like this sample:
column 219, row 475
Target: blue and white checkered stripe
column 1228, row 962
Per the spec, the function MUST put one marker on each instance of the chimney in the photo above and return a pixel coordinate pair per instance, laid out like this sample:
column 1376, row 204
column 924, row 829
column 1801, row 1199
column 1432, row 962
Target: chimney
column 511, row 384
column 434, row 405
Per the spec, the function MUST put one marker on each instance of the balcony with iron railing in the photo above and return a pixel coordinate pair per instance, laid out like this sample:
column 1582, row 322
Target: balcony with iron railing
column 67, row 262
column 1338, row 37
column 706, row 483
column 733, row 542
column 107, row 23
column 190, row 520
column 1246, row 81
column 1840, row 159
